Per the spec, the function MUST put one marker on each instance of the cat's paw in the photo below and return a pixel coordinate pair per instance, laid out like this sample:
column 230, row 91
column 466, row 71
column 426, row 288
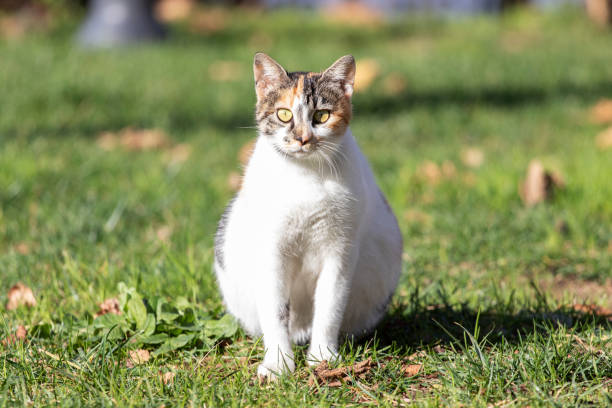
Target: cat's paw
column 320, row 353
column 271, row 371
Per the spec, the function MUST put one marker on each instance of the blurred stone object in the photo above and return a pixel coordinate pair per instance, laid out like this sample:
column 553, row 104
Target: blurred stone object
column 119, row 22
column 600, row 11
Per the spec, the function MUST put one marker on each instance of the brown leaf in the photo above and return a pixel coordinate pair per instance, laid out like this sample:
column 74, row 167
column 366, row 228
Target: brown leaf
column 604, row 139
column 137, row 357
column 472, row 157
column 412, row 369
column 173, row 10
column 539, row 184
column 20, row 295
column 178, row 154
column 20, row 336
column 168, row 378
column 110, row 305
column 601, row 112
column 366, row 71
column 335, row 377
column 224, row 71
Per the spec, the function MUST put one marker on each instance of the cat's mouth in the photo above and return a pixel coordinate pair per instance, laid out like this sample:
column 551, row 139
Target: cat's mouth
column 299, row 151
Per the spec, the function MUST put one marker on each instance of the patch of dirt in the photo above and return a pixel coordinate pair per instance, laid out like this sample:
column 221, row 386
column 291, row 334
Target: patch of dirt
column 580, row 291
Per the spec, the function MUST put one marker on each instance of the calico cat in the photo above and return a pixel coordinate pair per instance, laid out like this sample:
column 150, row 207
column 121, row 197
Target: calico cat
column 309, row 248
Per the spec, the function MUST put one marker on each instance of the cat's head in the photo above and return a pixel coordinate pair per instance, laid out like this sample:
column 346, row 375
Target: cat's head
column 303, row 113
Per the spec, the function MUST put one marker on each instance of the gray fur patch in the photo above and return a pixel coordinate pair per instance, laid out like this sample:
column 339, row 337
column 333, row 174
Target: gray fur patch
column 220, row 235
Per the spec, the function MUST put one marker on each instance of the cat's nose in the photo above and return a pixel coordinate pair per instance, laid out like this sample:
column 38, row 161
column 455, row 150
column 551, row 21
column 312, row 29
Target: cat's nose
column 303, row 138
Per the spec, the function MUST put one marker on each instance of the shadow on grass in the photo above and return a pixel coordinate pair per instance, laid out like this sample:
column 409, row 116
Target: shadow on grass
column 415, row 324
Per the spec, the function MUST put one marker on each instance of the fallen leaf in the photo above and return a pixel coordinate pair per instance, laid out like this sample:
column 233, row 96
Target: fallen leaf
column 367, row 70
column 110, row 305
column 168, row 378
column 224, row 71
column 20, row 295
column 137, row 357
column 353, row 13
column 246, row 151
column 539, row 184
column 604, row 139
column 335, row 377
column 601, row 112
column 412, row 369
column 173, row 10
column 19, row 336
column 430, row 172
column 234, row 181
column 472, row 157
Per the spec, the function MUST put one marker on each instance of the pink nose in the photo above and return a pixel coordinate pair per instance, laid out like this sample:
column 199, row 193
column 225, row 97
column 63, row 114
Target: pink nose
column 303, row 138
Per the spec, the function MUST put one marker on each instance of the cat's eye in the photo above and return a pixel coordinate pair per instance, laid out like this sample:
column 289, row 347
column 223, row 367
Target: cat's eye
column 284, row 115
column 321, row 116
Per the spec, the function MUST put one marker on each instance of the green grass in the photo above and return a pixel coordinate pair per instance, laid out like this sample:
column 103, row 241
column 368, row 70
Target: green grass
column 485, row 299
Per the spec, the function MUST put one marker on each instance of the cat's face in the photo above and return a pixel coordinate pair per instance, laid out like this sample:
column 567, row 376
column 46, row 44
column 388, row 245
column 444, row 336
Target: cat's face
column 303, row 114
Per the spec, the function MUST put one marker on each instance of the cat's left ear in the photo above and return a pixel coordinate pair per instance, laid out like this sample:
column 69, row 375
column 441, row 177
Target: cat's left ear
column 342, row 71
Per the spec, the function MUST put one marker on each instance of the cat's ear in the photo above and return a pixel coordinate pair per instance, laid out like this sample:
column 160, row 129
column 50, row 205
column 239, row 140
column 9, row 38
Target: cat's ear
column 267, row 73
column 342, row 71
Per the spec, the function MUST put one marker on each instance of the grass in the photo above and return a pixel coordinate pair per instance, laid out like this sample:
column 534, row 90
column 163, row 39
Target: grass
column 486, row 300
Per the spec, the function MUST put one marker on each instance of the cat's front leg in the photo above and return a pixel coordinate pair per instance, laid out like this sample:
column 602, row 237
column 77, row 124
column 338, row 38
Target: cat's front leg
column 330, row 300
column 273, row 311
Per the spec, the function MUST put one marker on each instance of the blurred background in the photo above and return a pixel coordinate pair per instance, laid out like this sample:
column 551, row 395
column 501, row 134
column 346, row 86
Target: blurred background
column 124, row 123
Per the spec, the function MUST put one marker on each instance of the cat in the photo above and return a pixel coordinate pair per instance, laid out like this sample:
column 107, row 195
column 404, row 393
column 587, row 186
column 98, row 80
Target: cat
column 309, row 248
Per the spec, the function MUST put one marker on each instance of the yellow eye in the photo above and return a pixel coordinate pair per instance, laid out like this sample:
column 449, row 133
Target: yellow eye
column 321, row 116
column 284, row 115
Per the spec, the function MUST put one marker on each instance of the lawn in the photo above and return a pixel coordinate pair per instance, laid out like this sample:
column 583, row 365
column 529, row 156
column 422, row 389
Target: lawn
column 499, row 304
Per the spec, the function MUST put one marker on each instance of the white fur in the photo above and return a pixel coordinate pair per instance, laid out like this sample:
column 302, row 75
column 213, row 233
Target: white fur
column 320, row 239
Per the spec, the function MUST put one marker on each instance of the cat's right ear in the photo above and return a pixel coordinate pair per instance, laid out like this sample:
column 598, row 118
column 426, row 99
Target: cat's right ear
column 267, row 73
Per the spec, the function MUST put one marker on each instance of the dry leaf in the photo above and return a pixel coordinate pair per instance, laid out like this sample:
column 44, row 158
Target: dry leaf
column 224, row 71
column 602, row 111
column 353, row 13
column 430, row 172
column 20, row 336
column 472, row 157
column 173, row 10
column 168, row 378
column 593, row 310
column 137, row 357
column 539, row 184
column 110, row 305
column 234, row 181
column 604, row 139
column 335, row 377
column 366, row 71
column 394, row 84
column 412, row 369
column 208, row 21
column 20, row 295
